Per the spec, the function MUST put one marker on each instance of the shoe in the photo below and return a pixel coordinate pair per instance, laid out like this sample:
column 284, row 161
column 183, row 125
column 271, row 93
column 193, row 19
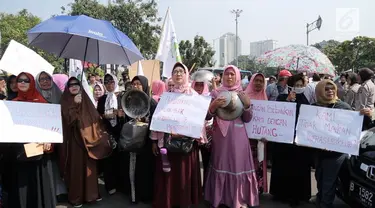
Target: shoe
column 77, row 205
column 111, row 192
column 99, row 199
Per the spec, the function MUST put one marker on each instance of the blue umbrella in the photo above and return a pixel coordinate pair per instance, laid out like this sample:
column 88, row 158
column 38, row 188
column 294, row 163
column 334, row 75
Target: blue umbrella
column 84, row 38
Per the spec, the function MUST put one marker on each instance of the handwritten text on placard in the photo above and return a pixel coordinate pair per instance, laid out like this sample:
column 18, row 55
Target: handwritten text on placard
column 181, row 114
column 330, row 129
column 23, row 122
column 273, row 121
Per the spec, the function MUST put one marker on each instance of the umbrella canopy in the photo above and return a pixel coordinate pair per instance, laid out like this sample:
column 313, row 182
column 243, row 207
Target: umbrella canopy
column 299, row 58
column 84, row 38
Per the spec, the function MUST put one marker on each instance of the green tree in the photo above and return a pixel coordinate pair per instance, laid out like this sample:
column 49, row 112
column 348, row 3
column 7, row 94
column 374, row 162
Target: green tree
column 246, row 62
column 351, row 54
column 197, row 54
column 15, row 26
column 325, row 44
column 93, row 69
column 136, row 18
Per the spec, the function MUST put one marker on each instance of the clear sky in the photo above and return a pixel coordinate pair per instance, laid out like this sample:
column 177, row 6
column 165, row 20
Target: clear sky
column 281, row 20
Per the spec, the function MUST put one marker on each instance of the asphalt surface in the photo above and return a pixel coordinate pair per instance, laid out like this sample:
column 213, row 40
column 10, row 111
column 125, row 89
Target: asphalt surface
column 118, row 200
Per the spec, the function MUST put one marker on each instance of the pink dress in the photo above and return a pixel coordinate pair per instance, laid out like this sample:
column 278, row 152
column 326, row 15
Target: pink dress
column 231, row 178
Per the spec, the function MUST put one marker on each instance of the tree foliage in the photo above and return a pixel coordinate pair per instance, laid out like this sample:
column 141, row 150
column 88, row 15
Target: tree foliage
column 15, row 26
column 93, row 69
column 199, row 53
column 136, row 18
column 350, row 54
column 246, row 63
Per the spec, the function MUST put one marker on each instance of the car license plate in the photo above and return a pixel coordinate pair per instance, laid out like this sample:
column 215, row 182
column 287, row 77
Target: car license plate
column 361, row 194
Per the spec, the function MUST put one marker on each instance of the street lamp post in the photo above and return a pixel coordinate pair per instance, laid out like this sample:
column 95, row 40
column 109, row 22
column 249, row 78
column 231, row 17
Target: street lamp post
column 237, row 12
column 317, row 23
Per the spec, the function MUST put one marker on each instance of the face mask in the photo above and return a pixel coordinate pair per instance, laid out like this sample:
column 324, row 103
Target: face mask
column 299, row 90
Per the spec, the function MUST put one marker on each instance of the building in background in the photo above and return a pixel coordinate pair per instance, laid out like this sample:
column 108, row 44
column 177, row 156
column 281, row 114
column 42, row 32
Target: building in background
column 260, row 47
column 227, row 48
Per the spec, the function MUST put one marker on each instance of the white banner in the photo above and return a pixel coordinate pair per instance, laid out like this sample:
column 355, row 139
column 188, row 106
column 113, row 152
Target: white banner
column 23, row 122
column 329, row 129
column 18, row 58
column 181, row 114
column 274, row 121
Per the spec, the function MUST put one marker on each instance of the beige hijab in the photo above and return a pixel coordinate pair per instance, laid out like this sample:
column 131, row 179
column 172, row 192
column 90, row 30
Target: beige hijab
column 321, row 95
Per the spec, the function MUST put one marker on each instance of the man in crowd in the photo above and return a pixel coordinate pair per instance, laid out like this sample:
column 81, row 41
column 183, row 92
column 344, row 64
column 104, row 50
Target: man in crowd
column 92, row 80
column 280, row 87
column 310, row 88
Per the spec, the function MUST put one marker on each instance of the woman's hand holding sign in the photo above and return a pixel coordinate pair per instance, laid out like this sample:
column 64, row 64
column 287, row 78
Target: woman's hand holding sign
column 366, row 112
column 47, row 147
column 175, row 136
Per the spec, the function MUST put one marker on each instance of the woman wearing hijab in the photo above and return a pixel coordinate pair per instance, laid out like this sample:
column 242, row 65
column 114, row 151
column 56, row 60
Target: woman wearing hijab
column 98, row 92
column 32, row 186
column 140, row 164
column 181, row 186
column 256, row 90
column 231, row 185
column 52, row 94
column 60, row 80
column 202, row 88
column 49, row 90
column 353, row 87
column 85, row 141
column 288, row 183
column 12, row 87
column 108, row 109
column 328, row 163
column 365, row 97
column 157, row 88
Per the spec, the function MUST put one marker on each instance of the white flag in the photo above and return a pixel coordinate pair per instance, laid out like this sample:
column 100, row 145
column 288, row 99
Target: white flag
column 75, row 70
column 168, row 51
column 140, row 69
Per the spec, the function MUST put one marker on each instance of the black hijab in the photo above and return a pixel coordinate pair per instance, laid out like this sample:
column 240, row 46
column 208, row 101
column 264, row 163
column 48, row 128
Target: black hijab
column 144, row 82
column 11, row 94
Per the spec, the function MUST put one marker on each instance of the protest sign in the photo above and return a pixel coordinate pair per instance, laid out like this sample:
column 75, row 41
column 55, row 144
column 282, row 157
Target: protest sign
column 272, row 120
column 18, row 58
column 330, row 129
column 181, row 114
column 23, row 122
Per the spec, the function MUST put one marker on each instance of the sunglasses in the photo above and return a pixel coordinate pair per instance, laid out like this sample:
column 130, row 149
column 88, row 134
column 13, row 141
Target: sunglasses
column 74, row 84
column 46, row 79
column 109, row 81
column 23, row 81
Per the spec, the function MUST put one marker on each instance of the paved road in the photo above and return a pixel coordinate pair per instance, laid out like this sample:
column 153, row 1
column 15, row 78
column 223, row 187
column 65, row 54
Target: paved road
column 120, row 201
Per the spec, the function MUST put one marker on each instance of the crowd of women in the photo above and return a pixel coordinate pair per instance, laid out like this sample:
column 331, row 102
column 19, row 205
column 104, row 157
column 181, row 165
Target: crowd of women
column 234, row 165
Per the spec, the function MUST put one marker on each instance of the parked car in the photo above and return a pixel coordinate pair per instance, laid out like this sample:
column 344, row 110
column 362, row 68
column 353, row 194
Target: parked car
column 356, row 182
